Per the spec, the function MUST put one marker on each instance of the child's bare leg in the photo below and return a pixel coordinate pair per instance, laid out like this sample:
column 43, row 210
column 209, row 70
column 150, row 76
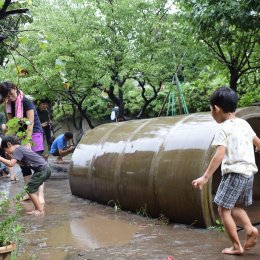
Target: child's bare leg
column 41, row 194
column 37, row 205
column 241, row 216
column 26, row 180
column 231, row 229
column 12, row 174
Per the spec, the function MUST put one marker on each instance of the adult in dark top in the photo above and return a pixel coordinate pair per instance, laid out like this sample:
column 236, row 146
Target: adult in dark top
column 44, row 116
column 17, row 105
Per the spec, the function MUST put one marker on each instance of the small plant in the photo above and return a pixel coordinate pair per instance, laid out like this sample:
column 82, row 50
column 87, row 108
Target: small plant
column 143, row 211
column 193, row 223
column 18, row 127
column 162, row 220
column 116, row 206
column 219, row 226
column 10, row 228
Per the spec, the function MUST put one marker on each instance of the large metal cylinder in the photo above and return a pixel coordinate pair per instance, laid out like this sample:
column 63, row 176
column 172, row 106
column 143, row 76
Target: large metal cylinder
column 149, row 164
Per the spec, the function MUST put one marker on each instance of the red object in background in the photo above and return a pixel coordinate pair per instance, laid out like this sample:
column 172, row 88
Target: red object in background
column 170, row 258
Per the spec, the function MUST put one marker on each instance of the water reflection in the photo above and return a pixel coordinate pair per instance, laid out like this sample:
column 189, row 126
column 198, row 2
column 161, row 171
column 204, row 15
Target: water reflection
column 75, row 229
column 91, row 233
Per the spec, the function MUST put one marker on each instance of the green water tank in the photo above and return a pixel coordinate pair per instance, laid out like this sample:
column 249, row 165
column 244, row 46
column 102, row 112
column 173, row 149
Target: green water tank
column 148, row 165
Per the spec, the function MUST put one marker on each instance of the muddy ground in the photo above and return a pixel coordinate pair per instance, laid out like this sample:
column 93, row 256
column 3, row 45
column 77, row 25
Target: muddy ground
column 74, row 228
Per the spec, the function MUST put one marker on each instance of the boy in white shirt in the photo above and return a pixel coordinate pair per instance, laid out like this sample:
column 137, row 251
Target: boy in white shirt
column 235, row 152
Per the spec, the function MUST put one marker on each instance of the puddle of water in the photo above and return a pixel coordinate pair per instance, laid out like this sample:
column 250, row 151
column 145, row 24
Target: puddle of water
column 79, row 234
column 48, row 255
column 91, row 233
column 69, row 225
column 74, row 228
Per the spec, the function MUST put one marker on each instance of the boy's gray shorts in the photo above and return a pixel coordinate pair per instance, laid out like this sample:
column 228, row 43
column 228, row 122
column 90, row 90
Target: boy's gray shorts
column 234, row 189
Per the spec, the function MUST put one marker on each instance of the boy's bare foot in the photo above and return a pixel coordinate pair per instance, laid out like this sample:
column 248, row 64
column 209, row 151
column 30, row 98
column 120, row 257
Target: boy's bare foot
column 233, row 251
column 35, row 212
column 251, row 239
column 13, row 176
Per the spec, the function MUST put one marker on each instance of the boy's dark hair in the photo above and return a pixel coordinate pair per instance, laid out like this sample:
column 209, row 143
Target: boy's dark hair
column 43, row 100
column 225, row 98
column 5, row 88
column 68, row 135
column 8, row 139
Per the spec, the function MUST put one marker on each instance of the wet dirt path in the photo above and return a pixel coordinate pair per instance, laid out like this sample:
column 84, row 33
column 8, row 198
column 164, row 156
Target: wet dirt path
column 73, row 228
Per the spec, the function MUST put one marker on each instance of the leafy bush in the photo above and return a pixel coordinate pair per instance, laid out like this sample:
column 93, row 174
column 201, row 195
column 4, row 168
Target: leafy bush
column 18, row 127
column 10, row 228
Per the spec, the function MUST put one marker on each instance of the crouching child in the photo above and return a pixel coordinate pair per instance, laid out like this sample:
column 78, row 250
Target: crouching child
column 26, row 157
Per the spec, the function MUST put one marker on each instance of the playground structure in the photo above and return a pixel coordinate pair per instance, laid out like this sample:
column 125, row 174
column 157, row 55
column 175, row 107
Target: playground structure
column 170, row 98
column 149, row 164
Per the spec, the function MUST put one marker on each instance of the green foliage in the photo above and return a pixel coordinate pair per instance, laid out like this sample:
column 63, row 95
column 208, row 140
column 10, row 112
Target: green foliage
column 162, row 220
column 248, row 93
column 18, row 127
column 116, row 205
column 109, row 51
column 76, row 50
column 10, row 228
column 229, row 29
column 13, row 15
column 218, row 226
column 249, row 98
column 143, row 211
column 198, row 92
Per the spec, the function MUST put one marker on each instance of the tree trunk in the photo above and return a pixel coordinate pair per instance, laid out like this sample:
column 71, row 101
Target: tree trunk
column 234, row 76
column 83, row 113
column 121, row 101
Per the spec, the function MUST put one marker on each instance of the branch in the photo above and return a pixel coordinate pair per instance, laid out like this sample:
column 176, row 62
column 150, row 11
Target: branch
column 247, row 53
column 66, row 95
column 11, row 12
column 142, row 84
column 220, row 55
column 32, row 64
column 148, row 101
column 82, row 99
column 18, row 77
column 166, row 10
column 4, row 12
column 5, row 6
column 248, row 69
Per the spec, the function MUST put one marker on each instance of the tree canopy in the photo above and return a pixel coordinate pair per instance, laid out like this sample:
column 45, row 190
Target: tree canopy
column 12, row 15
column 88, row 56
column 230, row 30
